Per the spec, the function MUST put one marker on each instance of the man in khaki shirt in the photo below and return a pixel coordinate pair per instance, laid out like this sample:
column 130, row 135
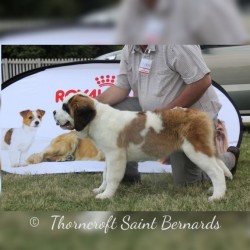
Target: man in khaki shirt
column 164, row 77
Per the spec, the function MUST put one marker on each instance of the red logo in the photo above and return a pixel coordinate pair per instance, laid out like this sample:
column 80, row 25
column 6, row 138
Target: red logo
column 105, row 80
column 101, row 81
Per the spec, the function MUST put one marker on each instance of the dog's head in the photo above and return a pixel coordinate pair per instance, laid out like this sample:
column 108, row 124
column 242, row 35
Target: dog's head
column 77, row 112
column 32, row 118
column 220, row 129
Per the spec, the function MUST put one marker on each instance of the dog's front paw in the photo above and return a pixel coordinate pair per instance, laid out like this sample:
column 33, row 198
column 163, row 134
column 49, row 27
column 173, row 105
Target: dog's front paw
column 34, row 159
column 70, row 158
column 210, row 191
column 23, row 164
column 215, row 197
column 101, row 188
column 103, row 196
column 97, row 190
column 15, row 165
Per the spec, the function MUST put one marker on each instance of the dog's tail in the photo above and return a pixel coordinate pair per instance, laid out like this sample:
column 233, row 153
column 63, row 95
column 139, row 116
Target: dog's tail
column 226, row 171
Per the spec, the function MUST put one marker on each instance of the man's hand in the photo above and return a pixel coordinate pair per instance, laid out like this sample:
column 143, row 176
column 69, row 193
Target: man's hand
column 113, row 95
column 159, row 110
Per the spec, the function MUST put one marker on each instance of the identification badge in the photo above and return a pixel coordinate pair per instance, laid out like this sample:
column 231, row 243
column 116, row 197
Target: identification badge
column 145, row 65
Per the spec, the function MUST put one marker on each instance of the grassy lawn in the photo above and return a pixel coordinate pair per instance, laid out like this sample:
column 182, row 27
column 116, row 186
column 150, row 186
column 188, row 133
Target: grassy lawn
column 73, row 192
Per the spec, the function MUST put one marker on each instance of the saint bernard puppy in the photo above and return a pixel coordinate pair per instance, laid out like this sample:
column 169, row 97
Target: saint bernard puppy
column 139, row 136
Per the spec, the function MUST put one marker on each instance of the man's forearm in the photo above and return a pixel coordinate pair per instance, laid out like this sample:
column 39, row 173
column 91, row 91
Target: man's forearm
column 113, row 95
column 191, row 94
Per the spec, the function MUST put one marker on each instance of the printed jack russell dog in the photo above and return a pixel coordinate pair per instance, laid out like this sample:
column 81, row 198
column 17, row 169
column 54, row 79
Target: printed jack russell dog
column 138, row 136
column 19, row 140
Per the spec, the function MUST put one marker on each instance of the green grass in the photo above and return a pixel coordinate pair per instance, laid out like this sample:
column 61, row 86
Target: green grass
column 73, row 192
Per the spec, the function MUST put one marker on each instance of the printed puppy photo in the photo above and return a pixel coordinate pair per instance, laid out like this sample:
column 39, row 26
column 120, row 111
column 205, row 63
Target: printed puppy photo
column 18, row 140
column 67, row 147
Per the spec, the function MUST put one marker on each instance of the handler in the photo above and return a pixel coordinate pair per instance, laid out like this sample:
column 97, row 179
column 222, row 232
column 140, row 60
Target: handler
column 164, row 77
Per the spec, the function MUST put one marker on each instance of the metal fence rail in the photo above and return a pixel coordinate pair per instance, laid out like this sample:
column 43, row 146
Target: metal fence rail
column 13, row 67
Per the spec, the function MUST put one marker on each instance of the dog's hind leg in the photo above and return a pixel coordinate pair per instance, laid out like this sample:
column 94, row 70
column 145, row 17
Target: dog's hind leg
column 210, row 166
column 226, row 171
column 116, row 164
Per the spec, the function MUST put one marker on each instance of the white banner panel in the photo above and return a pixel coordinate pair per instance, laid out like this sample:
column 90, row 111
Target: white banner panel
column 46, row 89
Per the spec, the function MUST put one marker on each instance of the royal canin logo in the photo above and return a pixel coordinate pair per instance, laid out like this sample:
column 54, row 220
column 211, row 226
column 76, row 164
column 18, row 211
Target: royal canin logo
column 105, row 80
column 101, row 81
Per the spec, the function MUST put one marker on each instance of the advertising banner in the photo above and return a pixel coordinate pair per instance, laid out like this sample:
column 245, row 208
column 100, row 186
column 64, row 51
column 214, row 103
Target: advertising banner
column 42, row 91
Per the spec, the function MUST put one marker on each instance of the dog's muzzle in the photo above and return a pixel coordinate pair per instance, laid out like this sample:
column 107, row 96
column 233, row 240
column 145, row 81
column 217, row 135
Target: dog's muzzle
column 64, row 125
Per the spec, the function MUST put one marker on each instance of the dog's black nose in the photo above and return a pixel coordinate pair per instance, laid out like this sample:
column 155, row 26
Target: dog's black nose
column 36, row 123
column 54, row 112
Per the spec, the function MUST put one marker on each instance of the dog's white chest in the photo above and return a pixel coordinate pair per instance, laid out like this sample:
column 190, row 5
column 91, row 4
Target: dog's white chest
column 22, row 139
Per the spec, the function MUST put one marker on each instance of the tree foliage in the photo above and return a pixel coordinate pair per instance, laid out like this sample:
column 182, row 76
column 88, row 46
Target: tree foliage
column 56, row 51
column 50, row 8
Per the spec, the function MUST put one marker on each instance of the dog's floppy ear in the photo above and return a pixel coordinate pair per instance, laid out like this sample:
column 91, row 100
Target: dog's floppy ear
column 83, row 116
column 24, row 113
column 42, row 112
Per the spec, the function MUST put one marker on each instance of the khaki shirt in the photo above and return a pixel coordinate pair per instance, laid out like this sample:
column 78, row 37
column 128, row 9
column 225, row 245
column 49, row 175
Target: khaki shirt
column 173, row 66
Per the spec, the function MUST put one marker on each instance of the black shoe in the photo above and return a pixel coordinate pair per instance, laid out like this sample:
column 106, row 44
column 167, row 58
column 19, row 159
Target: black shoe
column 236, row 152
column 132, row 179
column 132, row 175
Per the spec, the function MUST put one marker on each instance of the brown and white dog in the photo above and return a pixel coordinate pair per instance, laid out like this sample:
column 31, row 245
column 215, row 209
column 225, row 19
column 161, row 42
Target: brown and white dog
column 138, row 136
column 67, row 147
column 221, row 136
column 19, row 140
